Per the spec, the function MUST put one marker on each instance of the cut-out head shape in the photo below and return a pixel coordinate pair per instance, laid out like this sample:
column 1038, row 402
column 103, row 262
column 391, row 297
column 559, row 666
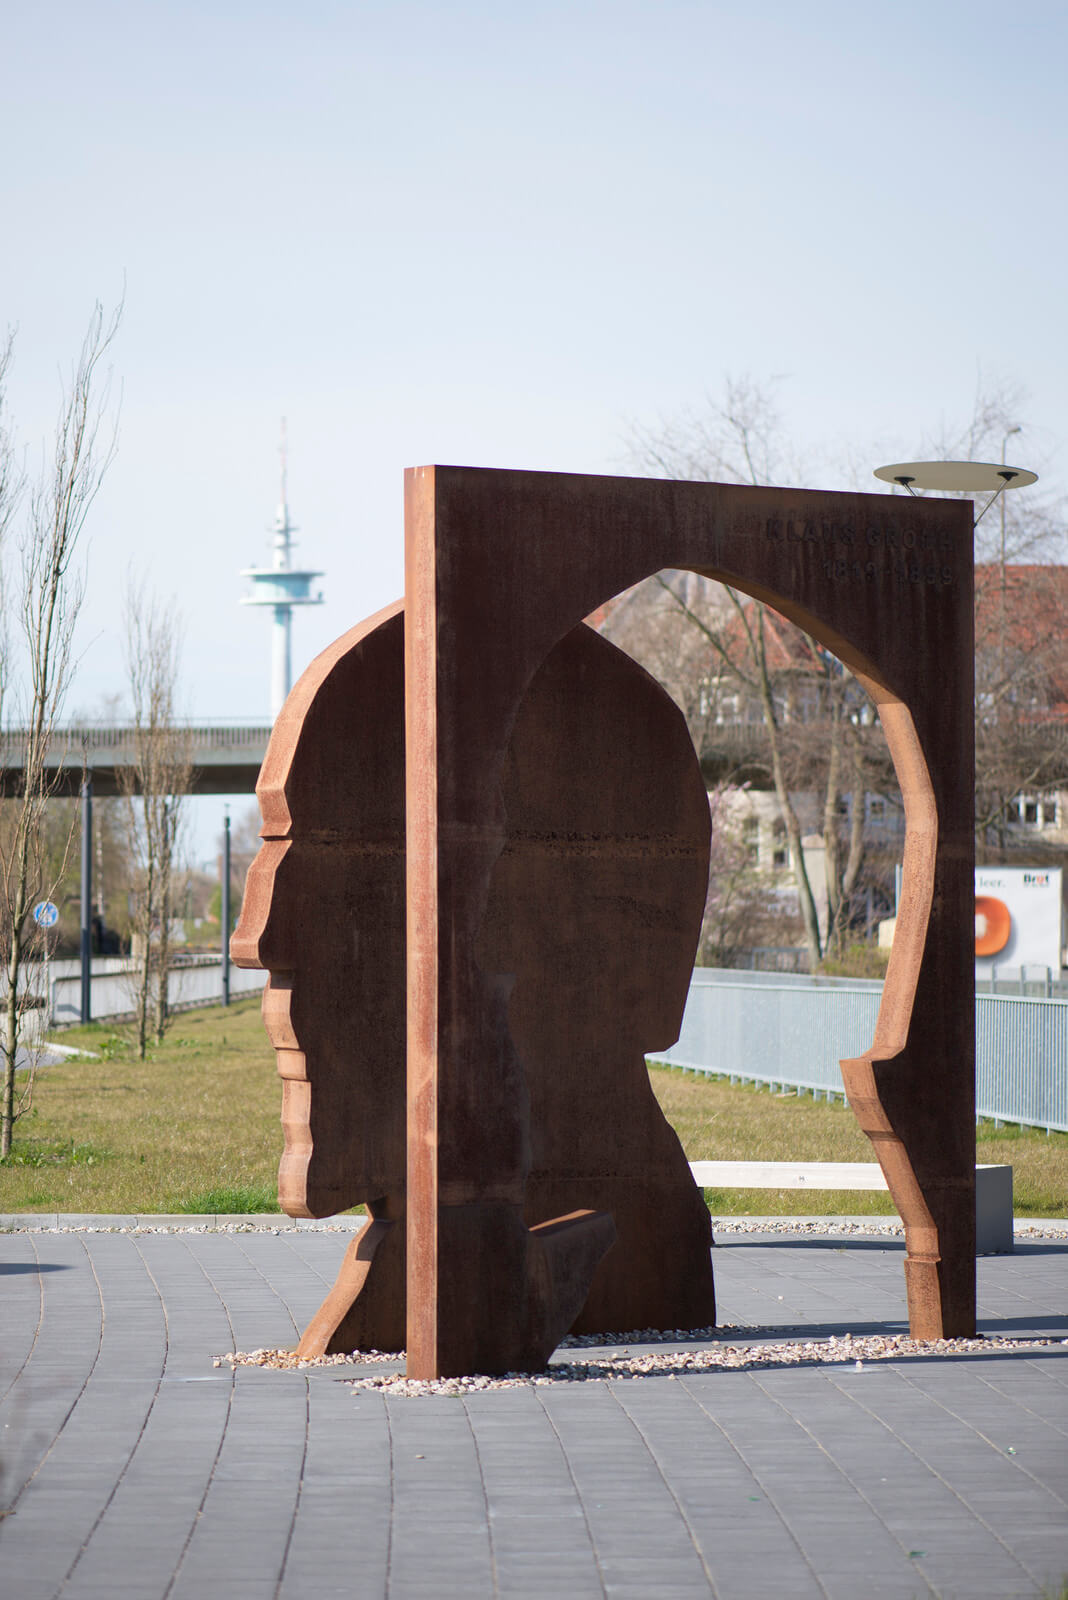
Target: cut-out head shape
column 595, row 906
column 324, row 913
column 591, row 918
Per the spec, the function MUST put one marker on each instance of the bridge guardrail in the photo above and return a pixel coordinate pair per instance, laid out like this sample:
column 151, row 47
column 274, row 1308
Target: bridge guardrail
column 70, row 742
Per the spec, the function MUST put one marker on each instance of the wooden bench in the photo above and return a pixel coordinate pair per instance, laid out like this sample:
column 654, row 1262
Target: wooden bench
column 993, row 1188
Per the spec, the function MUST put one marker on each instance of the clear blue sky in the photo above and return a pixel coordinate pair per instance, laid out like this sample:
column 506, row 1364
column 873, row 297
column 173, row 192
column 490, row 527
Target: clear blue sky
column 492, row 234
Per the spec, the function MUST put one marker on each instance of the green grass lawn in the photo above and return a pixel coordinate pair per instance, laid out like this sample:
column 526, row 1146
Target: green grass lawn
column 195, row 1128
column 718, row 1122
column 191, row 1127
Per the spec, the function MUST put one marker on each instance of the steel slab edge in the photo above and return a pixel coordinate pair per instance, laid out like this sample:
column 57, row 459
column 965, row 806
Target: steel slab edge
column 500, row 565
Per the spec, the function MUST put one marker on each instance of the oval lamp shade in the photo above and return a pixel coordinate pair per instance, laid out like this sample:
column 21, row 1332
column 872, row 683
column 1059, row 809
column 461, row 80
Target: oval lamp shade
column 957, row 477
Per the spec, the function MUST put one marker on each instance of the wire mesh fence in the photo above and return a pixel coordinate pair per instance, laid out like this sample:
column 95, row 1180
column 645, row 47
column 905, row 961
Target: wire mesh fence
column 788, row 1031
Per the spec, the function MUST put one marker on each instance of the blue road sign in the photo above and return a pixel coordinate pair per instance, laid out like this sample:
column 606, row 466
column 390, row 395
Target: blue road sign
column 46, row 914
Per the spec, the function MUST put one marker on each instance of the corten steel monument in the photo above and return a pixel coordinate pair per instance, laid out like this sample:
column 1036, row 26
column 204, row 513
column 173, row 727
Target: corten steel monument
column 603, row 807
column 500, row 566
column 550, row 861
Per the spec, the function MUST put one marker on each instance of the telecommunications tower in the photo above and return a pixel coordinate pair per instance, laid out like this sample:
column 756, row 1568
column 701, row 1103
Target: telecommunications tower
column 282, row 587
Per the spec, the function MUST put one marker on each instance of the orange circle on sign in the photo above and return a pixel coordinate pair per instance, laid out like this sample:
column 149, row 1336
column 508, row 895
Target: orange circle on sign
column 998, row 921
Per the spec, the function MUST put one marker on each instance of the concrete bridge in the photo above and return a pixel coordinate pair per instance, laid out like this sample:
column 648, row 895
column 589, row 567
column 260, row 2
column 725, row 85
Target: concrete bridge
column 86, row 759
column 226, row 757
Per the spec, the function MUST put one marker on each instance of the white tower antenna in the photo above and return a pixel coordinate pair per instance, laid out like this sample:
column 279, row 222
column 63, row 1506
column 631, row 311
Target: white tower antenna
column 282, row 587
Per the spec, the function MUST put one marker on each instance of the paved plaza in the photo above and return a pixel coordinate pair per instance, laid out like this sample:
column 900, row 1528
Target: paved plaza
column 134, row 1466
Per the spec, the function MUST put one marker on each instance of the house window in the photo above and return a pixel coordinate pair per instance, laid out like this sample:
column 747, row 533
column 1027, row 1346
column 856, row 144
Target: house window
column 1029, row 811
column 779, row 855
column 877, row 807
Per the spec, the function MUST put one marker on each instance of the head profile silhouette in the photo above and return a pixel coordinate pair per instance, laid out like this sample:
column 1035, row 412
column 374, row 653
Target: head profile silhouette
column 591, row 920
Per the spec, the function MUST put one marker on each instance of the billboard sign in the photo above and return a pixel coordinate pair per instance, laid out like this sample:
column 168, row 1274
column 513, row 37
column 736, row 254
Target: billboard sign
column 1018, row 918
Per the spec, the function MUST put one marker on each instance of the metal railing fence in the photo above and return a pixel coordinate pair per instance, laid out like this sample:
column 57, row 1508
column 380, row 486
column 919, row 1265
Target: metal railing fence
column 109, row 736
column 1021, row 1060
column 193, row 981
column 792, row 1032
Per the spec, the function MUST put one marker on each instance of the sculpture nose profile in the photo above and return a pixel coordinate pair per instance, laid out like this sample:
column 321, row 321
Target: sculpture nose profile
column 259, row 940
column 263, row 939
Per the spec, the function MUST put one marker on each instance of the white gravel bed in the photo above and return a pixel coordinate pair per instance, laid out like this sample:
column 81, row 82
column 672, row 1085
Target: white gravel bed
column 813, row 1226
column 180, row 1227
column 800, row 1227
column 289, row 1361
column 871, row 1227
column 844, row 1350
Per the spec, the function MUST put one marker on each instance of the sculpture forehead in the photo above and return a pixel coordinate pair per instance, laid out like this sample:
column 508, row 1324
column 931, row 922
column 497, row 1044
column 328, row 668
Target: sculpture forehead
column 335, row 763
column 598, row 746
column 335, row 769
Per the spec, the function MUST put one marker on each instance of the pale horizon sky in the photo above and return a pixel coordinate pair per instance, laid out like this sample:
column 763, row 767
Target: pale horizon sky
column 496, row 236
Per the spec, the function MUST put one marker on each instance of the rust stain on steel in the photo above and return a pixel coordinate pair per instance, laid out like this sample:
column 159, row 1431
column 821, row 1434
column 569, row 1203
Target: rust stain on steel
column 500, row 567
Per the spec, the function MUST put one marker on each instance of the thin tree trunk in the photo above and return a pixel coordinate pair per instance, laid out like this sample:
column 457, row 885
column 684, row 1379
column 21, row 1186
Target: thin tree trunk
column 49, row 603
column 809, row 914
column 761, row 682
column 855, row 858
column 831, row 797
column 144, row 977
column 161, row 777
column 164, row 948
column 11, row 1042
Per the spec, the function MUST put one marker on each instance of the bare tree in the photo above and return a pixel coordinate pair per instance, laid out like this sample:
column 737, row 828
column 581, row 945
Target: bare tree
column 50, row 593
column 1021, row 619
column 740, row 913
column 1021, row 678
column 834, row 746
column 1022, row 527
column 155, row 785
column 738, row 441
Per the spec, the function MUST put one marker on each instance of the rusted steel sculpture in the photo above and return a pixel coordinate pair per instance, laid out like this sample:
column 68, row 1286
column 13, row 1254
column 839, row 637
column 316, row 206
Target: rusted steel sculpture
column 549, row 860
column 500, row 567
column 599, row 887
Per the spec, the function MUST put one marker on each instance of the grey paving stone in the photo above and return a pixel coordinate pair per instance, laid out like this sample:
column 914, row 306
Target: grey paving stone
column 149, row 1462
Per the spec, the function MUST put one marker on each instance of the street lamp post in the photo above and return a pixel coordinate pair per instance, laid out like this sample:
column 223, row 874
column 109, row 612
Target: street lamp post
column 86, row 897
column 224, row 909
column 1004, row 606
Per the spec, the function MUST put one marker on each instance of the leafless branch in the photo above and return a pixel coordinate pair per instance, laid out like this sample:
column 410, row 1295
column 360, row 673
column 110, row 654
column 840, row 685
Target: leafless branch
column 155, row 786
column 50, row 596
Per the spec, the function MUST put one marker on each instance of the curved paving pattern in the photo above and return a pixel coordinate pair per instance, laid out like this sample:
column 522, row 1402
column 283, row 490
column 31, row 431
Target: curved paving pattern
column 133, row 1466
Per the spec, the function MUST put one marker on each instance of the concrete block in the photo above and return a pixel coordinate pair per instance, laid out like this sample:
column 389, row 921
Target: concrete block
column 993, row 1210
